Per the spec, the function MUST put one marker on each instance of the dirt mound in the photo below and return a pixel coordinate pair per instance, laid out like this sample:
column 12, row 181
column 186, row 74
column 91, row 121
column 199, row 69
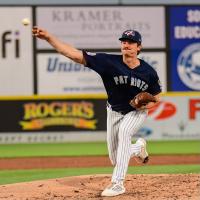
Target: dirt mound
column 138, row 187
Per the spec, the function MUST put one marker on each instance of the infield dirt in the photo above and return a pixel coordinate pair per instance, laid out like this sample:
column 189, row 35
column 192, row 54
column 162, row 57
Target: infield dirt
column 138, row 187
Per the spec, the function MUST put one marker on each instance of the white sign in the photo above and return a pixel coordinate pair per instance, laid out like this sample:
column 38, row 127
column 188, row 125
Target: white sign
column 16, row 56
column 158, row 61
column 176, row 117
column 101, row 27
column 60, row 75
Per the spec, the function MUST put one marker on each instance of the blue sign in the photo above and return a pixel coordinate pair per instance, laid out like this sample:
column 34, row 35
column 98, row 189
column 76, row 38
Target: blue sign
column 185, row 48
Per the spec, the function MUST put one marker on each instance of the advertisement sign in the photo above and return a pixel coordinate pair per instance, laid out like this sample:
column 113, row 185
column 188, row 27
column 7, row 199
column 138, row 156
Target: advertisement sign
column 80, row 118
column 185, row 48
column 96, row 27
column 158, row 61
column 53, row 115
column 175, row 117
column 60, row 75
column 16, row 56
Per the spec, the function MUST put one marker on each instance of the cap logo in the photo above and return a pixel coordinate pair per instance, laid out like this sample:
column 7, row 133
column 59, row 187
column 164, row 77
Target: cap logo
column 129, row 33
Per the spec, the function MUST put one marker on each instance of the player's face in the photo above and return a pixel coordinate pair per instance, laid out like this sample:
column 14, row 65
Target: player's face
column 129, row 48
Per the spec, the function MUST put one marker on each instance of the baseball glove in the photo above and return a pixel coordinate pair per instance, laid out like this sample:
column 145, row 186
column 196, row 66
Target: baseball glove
column 142, row 99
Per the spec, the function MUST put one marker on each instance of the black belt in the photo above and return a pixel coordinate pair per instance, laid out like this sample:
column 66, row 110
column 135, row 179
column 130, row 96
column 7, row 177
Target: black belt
column 123, row 112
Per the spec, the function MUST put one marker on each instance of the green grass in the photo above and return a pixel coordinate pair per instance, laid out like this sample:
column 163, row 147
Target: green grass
column 57, row 149
column 93, row 148
column 174, row 147
column 16, row 176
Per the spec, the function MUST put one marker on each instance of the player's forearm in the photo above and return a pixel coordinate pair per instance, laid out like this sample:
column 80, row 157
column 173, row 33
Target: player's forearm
column 66, row 49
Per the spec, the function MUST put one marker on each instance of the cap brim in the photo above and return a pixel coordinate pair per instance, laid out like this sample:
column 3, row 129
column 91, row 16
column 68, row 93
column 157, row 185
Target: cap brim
column 122, row 39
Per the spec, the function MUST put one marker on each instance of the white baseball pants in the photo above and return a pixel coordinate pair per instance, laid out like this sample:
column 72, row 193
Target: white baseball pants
column 120, row 130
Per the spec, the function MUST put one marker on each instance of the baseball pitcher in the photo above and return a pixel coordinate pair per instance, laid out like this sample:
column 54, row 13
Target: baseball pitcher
column 132, row 87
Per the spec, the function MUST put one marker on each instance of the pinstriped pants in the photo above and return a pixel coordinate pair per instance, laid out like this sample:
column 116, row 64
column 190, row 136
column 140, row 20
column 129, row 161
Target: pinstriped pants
column 120, row 130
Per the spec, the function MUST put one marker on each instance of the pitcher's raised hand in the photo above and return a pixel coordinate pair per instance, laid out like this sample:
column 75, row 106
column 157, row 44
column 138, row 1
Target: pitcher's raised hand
column 40, row 33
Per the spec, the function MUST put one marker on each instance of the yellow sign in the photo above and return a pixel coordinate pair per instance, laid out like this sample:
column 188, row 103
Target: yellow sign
column 43, row 114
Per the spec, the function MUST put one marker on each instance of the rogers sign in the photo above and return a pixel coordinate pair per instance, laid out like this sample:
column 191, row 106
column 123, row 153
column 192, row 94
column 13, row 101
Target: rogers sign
column 162, row 110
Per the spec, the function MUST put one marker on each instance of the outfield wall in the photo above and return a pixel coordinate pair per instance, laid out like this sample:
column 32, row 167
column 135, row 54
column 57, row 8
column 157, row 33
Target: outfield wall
column 83, row 118
column 29, row 66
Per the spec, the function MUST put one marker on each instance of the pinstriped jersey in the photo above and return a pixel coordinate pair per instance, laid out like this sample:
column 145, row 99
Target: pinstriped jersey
column 121, row 82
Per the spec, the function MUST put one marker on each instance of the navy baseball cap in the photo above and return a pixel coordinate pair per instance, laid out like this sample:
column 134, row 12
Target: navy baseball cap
column 131, row 35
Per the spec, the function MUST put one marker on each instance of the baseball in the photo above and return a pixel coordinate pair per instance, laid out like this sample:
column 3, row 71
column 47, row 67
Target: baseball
column 25, row 21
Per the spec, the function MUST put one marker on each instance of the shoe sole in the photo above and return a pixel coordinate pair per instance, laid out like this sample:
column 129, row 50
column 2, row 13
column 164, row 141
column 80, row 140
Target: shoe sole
column 144, row 161
column 112, row 195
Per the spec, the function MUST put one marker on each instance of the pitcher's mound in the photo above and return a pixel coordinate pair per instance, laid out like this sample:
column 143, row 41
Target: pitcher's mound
column 148, row 187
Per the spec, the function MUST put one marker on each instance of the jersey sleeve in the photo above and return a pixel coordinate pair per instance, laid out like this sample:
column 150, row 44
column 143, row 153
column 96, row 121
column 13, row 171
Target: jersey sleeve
column 155, row 85
column 95, row 61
